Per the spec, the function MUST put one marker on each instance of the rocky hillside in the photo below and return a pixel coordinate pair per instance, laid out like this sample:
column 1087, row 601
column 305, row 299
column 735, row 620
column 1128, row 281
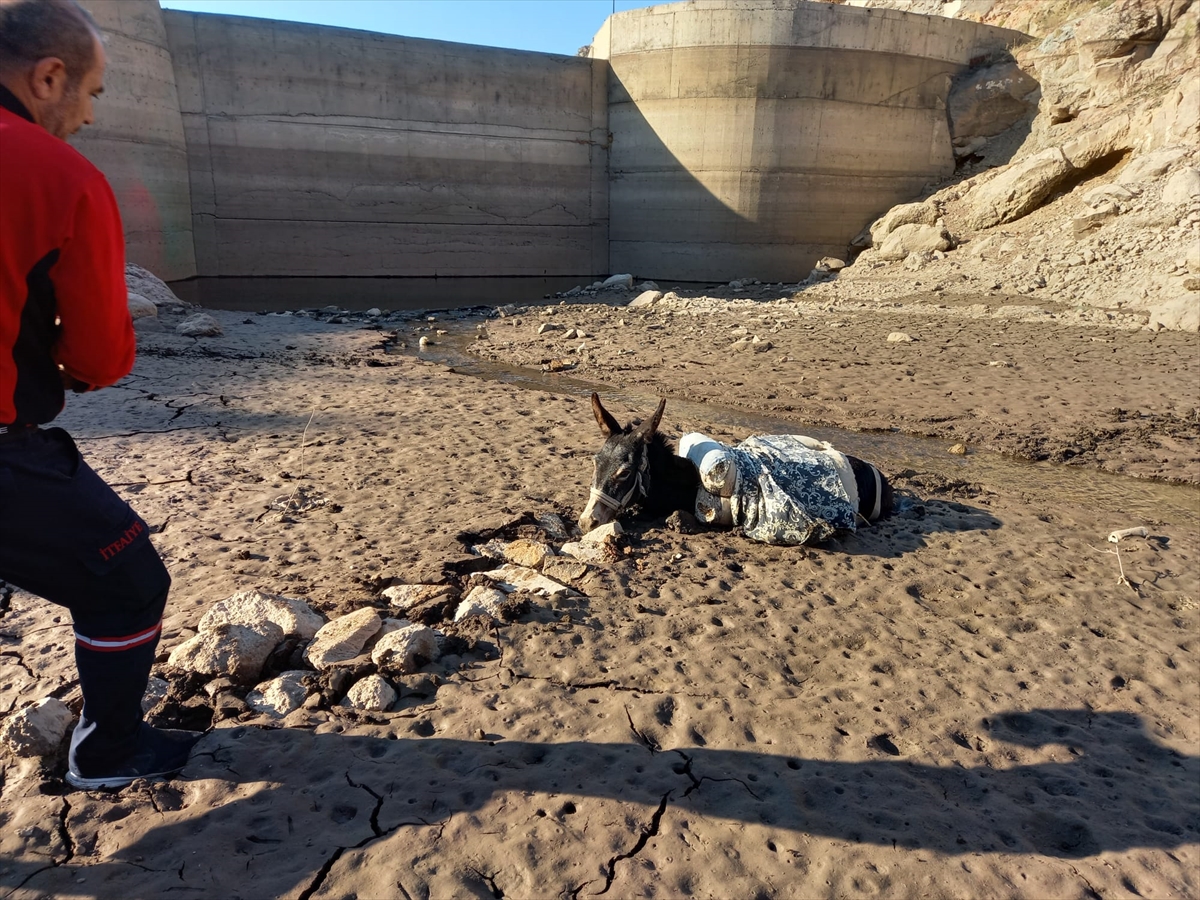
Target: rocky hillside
column 1079, row 169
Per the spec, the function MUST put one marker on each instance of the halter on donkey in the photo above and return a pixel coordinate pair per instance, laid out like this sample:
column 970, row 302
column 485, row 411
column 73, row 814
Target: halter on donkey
column 780, row 489
column 636, row 467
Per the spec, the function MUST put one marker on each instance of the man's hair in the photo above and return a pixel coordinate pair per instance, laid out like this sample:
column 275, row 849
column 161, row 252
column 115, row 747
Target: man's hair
column 31, row 30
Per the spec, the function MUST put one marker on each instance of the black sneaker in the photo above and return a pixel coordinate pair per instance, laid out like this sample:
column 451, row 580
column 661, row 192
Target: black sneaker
column 162, row 752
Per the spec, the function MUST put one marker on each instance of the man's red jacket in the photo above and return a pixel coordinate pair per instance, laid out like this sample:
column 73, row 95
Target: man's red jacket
column 63, row 301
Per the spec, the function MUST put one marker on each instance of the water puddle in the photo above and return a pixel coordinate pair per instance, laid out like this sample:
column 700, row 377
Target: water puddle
column 1119, row 501
column 358, row 294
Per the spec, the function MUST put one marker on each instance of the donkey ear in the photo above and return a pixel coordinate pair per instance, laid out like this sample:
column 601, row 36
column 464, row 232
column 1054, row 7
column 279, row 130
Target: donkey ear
column 608, row 425
column 648, row 429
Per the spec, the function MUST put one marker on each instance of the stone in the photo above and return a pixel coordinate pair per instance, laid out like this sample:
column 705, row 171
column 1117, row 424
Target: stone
column 899, row 337
column 598, row 554
column 199, row 325
column 528, row 553
column 554, row 526
column 987, row 101
column 618, row 281
column 1182, row 187
column 406, row 649
column 914, row 238
column 238, row 651
column 1102, row 215
column 1150, row 165
column 294, row 617
column 343, row 638
column 156, row 691
column 1115, row 135
column 1193, row 259
column 1019, row 189
column 645, row 298
column 959, row 450
column 602, row 533
column 904, row 214
column 481, row 601
column 647, row 286
column 1181, row 313
column 1117, row 29
column 1108, row 193
column 281, row 695
column 509, row 578
column 830, row 264
column 374, row 312
column 146, row 284
column 565, row 569
column 373, row 693
column 37, row 730
column 139, row 307
column 406, row 596
column 547, row 327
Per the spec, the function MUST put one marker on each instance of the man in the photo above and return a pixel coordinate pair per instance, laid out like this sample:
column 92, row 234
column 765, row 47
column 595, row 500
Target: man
column 64, row 322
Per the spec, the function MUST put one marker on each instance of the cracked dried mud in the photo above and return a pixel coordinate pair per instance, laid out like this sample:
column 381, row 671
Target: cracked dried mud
column 959, row 701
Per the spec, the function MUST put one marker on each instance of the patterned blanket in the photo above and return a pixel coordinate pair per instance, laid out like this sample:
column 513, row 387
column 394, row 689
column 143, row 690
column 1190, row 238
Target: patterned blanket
column 778, row 489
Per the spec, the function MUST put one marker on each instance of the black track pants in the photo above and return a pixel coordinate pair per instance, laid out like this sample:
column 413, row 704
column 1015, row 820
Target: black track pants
column 66, row 536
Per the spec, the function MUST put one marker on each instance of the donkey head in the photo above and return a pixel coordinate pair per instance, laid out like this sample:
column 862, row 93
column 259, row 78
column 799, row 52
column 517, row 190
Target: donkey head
column 622, row 467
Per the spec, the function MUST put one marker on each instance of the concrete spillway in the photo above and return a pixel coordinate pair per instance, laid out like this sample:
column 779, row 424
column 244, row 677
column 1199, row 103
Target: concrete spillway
column 703, row 140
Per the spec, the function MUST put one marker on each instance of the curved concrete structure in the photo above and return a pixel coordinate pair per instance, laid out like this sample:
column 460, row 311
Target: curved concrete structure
column 752, row 137
column 138, row 141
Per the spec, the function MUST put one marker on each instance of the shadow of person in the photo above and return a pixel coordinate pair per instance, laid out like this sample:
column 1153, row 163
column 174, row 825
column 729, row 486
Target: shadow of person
column 287, row 803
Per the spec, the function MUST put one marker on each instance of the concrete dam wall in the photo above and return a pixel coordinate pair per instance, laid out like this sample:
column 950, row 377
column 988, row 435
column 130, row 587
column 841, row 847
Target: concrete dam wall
column 703, row 140
column 753, row 137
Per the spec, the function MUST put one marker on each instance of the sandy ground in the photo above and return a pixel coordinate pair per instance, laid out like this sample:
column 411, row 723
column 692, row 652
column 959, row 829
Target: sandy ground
column 962, row 701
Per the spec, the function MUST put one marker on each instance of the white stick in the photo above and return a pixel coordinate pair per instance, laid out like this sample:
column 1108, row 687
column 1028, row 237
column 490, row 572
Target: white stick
column 1116, row 536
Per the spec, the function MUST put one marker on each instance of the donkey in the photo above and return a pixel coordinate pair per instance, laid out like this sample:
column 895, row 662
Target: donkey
column 638, row 466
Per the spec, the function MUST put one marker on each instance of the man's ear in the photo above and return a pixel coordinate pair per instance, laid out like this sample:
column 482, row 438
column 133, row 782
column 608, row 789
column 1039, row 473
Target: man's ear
column 48, row 79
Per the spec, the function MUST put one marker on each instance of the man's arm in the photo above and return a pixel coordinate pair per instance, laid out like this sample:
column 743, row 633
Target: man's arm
column 96, row 344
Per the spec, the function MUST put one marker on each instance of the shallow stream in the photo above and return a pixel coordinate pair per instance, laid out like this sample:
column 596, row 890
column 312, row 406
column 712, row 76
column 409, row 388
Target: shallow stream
column 1119, row 501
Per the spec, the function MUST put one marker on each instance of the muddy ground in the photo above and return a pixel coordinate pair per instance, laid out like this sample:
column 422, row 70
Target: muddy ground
column 961, row 701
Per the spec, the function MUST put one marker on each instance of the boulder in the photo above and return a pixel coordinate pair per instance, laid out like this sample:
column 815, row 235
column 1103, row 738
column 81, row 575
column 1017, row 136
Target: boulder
column 1103, row 214
column 904, row 214
column 372, row 693
column 1182, row 187
column 294, row 617
column 1019, row 189
column 1181, row 313
column 602, row 533
column 37, row 730
column 146, row 284
column 406, row 649
column 238, row 651
column 1150, row 165
column 645, row 298
column 343, row 638
column 280, row 695
column 406, row 596
column 987, row 101
column 618, row 281
column 199, row 325
column 915, row 239
column 1114, row 136
column 899, row 337
column 565, row 569
column 1119, row 29
column 140, row 307
column 509, row 578
column 528, row 553
column 597, row 554
column 481, row 601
